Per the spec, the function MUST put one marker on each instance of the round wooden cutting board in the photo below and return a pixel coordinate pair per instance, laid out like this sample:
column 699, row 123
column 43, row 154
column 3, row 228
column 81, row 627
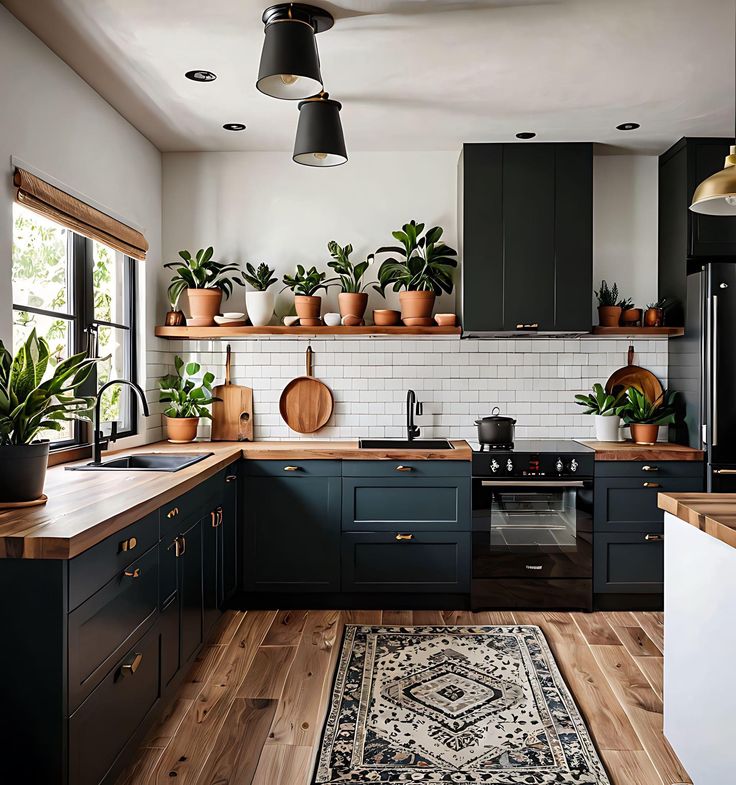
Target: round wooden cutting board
column 634, row 376
column 306, row 403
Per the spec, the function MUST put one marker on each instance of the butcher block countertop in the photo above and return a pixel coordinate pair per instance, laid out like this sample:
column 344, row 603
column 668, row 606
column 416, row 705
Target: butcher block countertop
column 628, row 451
column 712, row 513
column 84, row 508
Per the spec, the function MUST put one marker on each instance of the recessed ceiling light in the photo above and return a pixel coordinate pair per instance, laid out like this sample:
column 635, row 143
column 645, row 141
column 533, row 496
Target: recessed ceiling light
column 628, row 126
column 526, row 135
column 234, row 126
column 201, row 76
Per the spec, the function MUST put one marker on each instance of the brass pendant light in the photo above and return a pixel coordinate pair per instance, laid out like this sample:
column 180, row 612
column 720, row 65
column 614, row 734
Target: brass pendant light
column 717, row 194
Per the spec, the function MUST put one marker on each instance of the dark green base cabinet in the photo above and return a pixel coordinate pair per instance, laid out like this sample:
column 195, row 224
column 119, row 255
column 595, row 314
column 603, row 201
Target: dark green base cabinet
column 95, row 647
column 628, row 544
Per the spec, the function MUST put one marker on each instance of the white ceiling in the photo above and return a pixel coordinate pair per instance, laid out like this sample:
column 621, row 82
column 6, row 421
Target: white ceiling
column 412, row 74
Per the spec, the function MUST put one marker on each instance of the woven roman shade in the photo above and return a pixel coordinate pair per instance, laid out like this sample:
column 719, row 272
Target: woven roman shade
column 74, row 214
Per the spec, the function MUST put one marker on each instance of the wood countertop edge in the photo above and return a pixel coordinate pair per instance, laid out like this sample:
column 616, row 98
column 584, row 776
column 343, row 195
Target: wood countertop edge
column 628, row 451
column 713, row 513
column 32, row 530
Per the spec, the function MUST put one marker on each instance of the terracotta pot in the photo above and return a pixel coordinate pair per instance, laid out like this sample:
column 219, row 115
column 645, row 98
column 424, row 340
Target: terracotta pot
column 609, row 315
column 445, row 319
column 386, row 318
column 204, row 305
column 23, row 471
column 416, row 305
column 308, row 309
column 174, row 319
column 181, row 429
column 653, row 317
column 631, row 316
column 352, row 304
column 644, row 433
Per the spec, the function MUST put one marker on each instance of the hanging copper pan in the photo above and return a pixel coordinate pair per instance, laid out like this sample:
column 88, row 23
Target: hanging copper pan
column 634, row 376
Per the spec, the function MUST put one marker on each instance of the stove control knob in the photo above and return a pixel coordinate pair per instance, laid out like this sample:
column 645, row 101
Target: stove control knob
column 558, row 465
column 495, row 466
column 509, row 465
column 573, row 465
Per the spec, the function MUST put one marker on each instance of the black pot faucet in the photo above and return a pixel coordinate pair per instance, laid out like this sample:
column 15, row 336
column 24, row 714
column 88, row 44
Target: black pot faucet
column 412, row 408
column 100, row 443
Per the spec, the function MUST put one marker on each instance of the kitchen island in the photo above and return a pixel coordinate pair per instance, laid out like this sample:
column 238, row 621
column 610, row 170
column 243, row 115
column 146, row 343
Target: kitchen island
column 700, row 636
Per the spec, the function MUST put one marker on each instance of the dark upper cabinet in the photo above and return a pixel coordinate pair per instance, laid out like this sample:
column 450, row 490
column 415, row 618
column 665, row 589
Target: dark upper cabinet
column 687, row 239
column 527, row 247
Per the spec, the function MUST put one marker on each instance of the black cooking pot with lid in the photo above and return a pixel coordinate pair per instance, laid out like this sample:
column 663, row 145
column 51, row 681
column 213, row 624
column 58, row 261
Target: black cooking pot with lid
column 496, row 429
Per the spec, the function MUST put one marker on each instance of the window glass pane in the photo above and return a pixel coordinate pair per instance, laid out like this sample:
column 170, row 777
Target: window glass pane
column 115, row 400
column 108, row 278
column 57, row 333
column 40, row 263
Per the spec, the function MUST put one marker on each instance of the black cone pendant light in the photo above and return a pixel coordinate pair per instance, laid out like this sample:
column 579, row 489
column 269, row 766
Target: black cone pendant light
column 319, row 138
column 289, row 60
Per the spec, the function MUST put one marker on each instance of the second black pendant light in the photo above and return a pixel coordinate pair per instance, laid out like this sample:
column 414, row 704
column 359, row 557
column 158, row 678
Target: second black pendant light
column 290, row 69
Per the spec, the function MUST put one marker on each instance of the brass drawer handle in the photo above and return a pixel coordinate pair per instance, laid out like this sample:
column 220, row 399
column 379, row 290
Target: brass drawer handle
column 128, row 545
column 231, row 478
column 213, row 518
column 172, row 513
column 648, row 468
column 220, row 516
column 129, row 667
column 180, row 545
column 216, row 516
column 654, row 537
column 136, row 573
column 724, row 471
column 401, row 468
column 291, row 468
column 651, row 485
column 404, row 537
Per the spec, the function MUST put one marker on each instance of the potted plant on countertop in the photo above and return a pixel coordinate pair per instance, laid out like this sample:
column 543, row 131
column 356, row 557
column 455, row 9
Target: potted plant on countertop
column 654, row 313
column 260, row 302
column 644, row 416
column 609, row 311
column 188, row 398
column 423, row 270
column 30, row 406
column 353, row 299
column 606, row 409
column 304, row 284
column 205, row 281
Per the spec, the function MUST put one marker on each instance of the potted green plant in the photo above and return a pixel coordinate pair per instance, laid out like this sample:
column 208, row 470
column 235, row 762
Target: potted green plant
column 609, row 311
column 353, row 299
column 30, row 405
column 644, row 416
column 606, row 409
column 654, row 313
column 205, row 281
column 188, row 398
column 304, row 284
column 422, row 270
column 259, row 303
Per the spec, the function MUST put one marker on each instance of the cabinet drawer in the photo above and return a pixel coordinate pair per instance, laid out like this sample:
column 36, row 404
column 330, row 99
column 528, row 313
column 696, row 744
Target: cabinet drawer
column 406, row 469
column 93, row 568
column 630, row 504
column 291, row 468
column 628, row 563
column 188, row 508
column 650, row 470
column 101, row 726
column 103, row 626
column 427, row 562
column 420, row 503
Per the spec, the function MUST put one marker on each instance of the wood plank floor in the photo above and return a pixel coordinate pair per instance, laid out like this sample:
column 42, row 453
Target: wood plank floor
column 252, row 707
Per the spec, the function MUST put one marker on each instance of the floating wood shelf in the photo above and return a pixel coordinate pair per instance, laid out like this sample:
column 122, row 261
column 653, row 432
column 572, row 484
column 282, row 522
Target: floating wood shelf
column 213, row 333
column 672, row 332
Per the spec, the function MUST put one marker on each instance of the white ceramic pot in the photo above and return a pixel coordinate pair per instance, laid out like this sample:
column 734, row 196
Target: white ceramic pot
column 260, row 307
column 607, row 428
column 332, row 319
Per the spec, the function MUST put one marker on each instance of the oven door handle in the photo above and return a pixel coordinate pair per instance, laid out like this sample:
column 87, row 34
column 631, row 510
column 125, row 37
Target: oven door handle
column 533, row 483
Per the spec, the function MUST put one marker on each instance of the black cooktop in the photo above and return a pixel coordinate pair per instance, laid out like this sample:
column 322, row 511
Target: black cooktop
column 567, row 446
column 534, row 458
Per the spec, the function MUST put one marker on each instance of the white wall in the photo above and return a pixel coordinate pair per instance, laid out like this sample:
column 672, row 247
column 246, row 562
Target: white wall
column 53, row 121
column 625, row 224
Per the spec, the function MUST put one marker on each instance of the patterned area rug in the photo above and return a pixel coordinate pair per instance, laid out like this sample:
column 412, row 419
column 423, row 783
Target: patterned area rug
column 453, row 705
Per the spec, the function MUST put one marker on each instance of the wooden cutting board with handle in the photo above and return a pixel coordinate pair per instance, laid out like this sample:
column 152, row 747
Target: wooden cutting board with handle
column 306, row 403
column 232, row 416
column 634, row 376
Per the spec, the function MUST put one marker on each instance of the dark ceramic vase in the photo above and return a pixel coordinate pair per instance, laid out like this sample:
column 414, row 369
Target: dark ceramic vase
column 23, row 471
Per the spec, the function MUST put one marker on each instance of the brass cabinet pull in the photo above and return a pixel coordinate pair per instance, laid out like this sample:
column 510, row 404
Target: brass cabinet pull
column 401, row 537
column 401, row 468
column 291, row 468
column 173, row 512
column 180, row 545
column 231, row 478
column 131, row 665
column 648, row 468
column 724, row 471
column 136, row 573
column 654, row 537
column 220, row 516
column 213, row 519
column 216, row 516
column 651, row 485
column 128, row 545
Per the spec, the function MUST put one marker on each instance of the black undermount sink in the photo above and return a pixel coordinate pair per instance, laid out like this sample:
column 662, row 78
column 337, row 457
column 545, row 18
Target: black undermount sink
column 145, row 462
column 405, row 444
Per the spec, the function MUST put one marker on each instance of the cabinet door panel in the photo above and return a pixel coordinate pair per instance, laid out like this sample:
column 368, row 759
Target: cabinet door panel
column 628, row 563
column 293, row 533
column 228, row 572
column 211, row 548
column 190, row 590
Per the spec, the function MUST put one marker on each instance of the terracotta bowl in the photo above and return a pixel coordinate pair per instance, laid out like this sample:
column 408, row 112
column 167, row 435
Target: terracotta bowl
column 445, row 319
column 418, row 321
column 386, row 318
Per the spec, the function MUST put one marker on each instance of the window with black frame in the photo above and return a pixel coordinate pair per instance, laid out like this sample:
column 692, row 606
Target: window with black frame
column 78, row 294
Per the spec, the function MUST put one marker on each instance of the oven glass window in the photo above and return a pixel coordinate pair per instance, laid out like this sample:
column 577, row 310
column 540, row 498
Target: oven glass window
column 535, row 519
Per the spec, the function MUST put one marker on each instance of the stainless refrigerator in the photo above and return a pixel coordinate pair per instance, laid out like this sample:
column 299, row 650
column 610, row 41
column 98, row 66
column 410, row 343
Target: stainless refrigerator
column 702, row 367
